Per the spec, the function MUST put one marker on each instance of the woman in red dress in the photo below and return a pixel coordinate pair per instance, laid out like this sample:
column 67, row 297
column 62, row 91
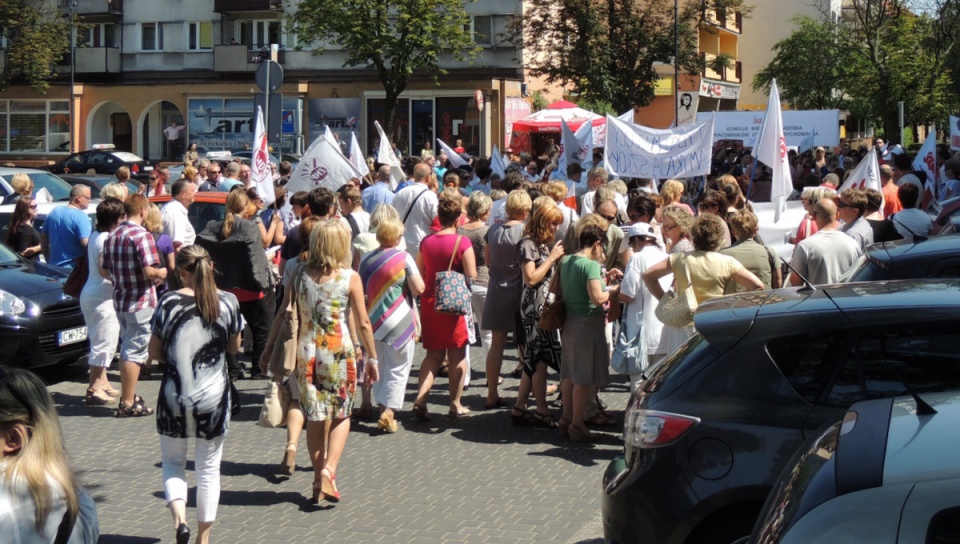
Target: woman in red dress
column 444, row 335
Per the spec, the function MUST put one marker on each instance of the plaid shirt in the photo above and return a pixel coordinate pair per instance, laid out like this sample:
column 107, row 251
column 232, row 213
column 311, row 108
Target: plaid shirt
column 128, row 250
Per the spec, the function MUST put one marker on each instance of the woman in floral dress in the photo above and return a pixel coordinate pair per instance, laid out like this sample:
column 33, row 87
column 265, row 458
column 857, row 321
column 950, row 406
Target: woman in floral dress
column 332, row 315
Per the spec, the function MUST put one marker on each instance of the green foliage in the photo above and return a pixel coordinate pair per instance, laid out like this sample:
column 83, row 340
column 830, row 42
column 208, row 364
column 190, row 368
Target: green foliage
column 600, row 107
column 39, row 38
column 606, row 50
column 538, row 101
column 394, row 37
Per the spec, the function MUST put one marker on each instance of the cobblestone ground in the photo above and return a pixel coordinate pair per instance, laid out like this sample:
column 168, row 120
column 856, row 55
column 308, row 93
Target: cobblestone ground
column 473, row 479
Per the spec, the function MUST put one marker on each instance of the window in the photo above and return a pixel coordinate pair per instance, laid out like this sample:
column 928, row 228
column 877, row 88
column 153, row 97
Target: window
column 151, row 36
column 483, row 30
column 258, row 33
column 200, row 36
column 805, row 360
column 33, row 126
column 97, row 35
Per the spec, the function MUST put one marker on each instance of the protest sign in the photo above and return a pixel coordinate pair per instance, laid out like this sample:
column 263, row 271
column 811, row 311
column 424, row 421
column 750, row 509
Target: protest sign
column 823, row 125
column 634, row 151
column 954, row 133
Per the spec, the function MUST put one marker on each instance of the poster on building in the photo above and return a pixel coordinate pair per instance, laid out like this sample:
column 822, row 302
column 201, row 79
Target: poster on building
column 225, row 124
column 687, row 103
column 514, row 108
column 342, row 115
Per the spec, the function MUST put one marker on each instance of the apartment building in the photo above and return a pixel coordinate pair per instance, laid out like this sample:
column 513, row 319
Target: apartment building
column 142, row 64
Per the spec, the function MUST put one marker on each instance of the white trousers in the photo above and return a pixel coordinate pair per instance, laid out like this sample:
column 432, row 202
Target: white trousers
column 478, row 299
column 395, row 365
column 103, row 329
column 173, row 453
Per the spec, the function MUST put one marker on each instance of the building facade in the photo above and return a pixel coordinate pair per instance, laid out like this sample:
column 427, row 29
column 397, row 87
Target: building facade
column 141, row 65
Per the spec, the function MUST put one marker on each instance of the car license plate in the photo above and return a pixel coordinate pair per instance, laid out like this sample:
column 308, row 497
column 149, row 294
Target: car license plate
column 147, row 168
column 71, row 336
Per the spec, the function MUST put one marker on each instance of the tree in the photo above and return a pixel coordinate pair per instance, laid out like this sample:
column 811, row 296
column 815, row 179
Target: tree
column 812, row 72
column 397, row 38
column 38, row 39
column 606, row 50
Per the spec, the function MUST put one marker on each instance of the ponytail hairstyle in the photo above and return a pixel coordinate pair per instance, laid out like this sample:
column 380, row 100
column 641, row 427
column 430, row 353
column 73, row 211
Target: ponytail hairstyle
column 237, row 202
column 41, row 462
column 195, row 260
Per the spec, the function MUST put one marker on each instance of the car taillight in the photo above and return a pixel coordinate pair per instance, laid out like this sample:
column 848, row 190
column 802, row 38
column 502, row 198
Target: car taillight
column 653, row 429
column 135, row 168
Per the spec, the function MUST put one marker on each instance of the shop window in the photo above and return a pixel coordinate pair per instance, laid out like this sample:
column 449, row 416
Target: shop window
column 34, row 126
column 376, row 111
column 151, row 36
column 457, row 120
column 200, row 36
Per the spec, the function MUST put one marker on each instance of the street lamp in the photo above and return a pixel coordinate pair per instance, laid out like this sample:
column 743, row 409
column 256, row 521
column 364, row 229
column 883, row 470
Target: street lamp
column 73, row 70
column 676, row 62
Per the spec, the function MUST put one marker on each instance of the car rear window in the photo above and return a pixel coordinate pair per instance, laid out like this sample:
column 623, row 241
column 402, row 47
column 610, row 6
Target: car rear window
column 679, row 362
column 805, row 360
column 865, row 269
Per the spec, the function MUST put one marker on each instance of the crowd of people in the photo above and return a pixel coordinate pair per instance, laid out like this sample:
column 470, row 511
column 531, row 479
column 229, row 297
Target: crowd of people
column 359, row 268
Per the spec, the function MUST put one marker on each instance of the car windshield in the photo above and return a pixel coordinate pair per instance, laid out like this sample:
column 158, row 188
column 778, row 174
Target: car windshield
column 59, row 189
column 7, row 256
column 126, row 157
column 807, row 482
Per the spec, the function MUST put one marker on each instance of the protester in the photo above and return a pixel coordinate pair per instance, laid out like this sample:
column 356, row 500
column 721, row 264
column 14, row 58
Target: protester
column 255, row 206
column 22, row 237
column 417, row 206
column 40, row 497
column 808, row 226
column 672, row 193
column 22, row 187
column 762, row 261
column 444, row 335
column 175, row 218
column 903, row 173
column 911, row 222
column 379, row 192
column 96, row 303
column 537, row 252
column 505, row 287
column 156, row 187
column 475, row 229
column 64, row 234
column 353, row 216
column 365, row 242
column 852, row 206
column 387, row 274
column 824, row 257
column 154, row 225
column 883, row 229
column 596, row 178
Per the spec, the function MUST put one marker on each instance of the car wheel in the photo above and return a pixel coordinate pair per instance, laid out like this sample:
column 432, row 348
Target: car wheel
column 733, row 529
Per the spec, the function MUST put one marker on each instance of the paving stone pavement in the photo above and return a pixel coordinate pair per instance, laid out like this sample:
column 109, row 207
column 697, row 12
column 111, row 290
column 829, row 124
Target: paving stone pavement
column 468, row 480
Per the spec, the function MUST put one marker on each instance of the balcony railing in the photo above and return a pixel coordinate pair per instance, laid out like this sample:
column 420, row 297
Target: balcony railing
column 228, row 6
column 94, row 7
column 721, row 18
column 733, row 73
column 92, row 60
column 238, row 58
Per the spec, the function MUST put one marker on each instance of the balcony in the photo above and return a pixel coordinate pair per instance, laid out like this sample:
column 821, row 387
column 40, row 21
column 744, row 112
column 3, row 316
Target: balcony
column 730, row 21
column 86, row 8
column 246, row 6
column 238, row 58
column 733, row 74
column 98, row 60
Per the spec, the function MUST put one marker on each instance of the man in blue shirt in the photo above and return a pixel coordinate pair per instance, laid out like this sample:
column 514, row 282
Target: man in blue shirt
column 66, row 230
column 379, row 192
column 232, row 179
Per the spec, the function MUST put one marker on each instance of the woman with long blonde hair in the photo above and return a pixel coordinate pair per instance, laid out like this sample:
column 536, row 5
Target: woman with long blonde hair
column 40, row 498
column 194, row 328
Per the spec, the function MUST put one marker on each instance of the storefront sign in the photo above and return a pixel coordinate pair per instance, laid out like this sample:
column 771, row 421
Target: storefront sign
column 634, row 151
column 479, row 99
column 224, row 123
column 663, row 87
column 824, row 125
column 342, row 115
column 713, row 89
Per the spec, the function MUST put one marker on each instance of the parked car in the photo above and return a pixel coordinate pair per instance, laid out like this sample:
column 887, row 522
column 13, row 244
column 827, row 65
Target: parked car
column 707, row 434
column 102, row 159
column 43, row 210
column 96, row 182
column 208, row 206
column 59, row 189
column 39, row 324
column 887, row 473
column 934, row 257
column 949, row 212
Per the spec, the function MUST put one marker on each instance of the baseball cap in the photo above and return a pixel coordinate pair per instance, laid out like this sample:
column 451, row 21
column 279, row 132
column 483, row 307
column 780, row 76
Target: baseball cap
column 644, row 230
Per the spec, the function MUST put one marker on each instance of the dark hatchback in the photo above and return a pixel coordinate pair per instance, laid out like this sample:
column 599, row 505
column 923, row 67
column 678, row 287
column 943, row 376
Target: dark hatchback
column 96, row 182
column 709, row 431
column 103, row 159
column 935, row 257
column 39, row 325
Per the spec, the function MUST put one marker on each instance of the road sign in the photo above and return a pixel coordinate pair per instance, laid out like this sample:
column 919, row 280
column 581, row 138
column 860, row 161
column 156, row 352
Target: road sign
column 479, row 97
column 271, row 118
column 269, row 71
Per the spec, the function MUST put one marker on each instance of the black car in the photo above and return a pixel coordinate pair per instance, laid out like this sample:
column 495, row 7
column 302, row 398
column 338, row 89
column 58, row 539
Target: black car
column 39, row 324
column 934, row 257
column 103, row 159
column 714, row 424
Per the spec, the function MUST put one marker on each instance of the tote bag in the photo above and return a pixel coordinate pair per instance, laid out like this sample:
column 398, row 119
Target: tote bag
column 554, row 309
column 630, row 354
column 283, row 358
column 452, row 293
column 275, row 404
column 677, row 309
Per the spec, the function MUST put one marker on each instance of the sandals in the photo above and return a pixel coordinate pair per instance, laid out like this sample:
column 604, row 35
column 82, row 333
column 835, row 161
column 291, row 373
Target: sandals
column 520, row 417
column 454, row 413
column 601, row 419
column 289, row 463
column 327, row 486
column 544, row 421
column 94, row 399
column 420, row 411
column 137, row 409
column 387, row 424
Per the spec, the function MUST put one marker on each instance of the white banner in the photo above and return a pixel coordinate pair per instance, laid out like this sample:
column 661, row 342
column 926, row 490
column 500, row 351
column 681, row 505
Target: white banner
column 260, row 172
column 954, row 132
column 322, row 165
column 356, row 156
column 866, row 175
column 823, row 125
column 634, row 151
column 926, row 161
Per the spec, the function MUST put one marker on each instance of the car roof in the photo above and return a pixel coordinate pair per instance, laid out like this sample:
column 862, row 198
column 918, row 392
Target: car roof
column 921, row 448
column 11, row 170
column 201, row 196
column 44, row 208
column 724, row 321
column 911, row 249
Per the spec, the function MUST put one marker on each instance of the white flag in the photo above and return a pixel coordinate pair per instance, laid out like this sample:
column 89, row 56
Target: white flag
column 626, row 116
column 356, row 156
column 455, row 159
column 328, row 134
column 926, row 161
column 322, row 165
column 866, row 175
column 385, row 155
column 772, row 151
column 260, row 173
column 497, row 164
column 575, row 147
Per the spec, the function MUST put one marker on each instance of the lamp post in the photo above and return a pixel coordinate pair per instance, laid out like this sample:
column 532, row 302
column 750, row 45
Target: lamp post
column 73, row 70
column 676, row 62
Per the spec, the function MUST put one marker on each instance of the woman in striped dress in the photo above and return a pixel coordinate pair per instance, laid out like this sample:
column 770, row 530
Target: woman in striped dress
column 384, row 272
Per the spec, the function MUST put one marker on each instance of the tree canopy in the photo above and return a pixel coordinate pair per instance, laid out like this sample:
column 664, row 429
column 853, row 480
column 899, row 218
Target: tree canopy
column 38, row 38
column 394, row 37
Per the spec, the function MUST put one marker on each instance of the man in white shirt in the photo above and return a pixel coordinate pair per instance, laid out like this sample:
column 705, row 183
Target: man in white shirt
column 498, row 211
column 824, row 257
column 595, row 178
column 172, row 136
column 417, row 206
column 176, row 223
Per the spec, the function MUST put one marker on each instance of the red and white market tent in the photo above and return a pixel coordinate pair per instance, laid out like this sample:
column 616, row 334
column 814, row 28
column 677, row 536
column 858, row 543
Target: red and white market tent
column 547, row 121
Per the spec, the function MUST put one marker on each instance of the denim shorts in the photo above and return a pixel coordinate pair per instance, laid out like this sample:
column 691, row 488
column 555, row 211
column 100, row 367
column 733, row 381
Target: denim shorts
column 135, row 335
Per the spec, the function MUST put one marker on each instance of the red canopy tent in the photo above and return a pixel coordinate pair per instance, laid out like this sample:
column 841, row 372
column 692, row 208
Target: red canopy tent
column 547, row 122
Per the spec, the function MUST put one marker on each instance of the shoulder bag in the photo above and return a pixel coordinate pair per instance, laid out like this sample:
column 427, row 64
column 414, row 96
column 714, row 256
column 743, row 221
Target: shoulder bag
column 676, row 310
column 275, row 404
column 452, row 293
column 283, row 358
column 630, row 354
column 78, row 277
column 554, row 309
column 412, row 204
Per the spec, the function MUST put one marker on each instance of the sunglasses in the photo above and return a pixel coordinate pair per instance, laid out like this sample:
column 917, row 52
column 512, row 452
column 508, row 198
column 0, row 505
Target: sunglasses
column 842, row 205
column 34, row 207
column 5, row 384
column 609, row 218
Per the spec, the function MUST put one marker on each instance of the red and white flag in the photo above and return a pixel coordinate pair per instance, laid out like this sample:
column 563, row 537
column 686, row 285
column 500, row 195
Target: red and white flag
column 322, row 165
column 866, row 175
column 771, row 150
column 926, row 161
column 260, row 173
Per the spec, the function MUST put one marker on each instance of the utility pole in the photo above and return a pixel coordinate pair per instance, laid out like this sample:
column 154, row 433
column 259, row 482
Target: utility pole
column 73, row 71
